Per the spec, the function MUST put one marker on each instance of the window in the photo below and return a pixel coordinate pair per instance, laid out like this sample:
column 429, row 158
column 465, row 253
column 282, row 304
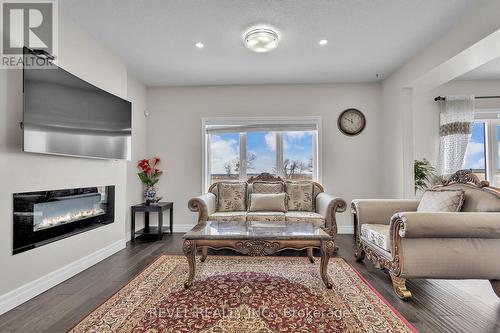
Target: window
column 298, row 158
column 475, row 157
column 236, row 149
column 261, row 153
column 482, row 151
column 224, row 156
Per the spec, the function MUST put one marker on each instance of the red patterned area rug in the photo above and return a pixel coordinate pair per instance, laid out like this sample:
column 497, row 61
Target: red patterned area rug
column 245, row 294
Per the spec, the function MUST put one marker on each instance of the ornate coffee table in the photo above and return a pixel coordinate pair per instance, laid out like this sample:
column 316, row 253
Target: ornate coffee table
column 257, row 239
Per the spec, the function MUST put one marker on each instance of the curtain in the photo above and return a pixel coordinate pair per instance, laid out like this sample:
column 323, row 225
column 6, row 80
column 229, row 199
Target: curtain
column 455, row 127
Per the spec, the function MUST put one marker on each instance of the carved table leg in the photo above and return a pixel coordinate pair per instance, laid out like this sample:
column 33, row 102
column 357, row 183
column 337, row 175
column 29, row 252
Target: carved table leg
column 327, row 250
column 204, row 253
column 189, row 248
column 495, row 284
column 399, row 286
column 359, row 253
column 310, row 254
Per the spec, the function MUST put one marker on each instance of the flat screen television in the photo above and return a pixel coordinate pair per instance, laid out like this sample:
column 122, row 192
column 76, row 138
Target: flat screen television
column 65, row 115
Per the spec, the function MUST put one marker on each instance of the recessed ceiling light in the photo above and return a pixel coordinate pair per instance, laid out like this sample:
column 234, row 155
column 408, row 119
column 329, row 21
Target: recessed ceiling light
column 261, row 40
column 199, row 45
column 323, row 42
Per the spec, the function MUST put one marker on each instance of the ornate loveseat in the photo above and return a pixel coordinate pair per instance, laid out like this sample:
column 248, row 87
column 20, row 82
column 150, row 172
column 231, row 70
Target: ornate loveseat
column 462, row 244
column 304, row 201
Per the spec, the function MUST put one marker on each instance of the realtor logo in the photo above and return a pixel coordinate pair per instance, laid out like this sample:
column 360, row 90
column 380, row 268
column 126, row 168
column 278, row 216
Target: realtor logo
column 27, row 24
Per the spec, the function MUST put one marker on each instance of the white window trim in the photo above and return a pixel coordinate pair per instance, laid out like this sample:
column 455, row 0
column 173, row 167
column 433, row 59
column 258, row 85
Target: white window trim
column 297, row 120
column 243, row 159
column 491, row 119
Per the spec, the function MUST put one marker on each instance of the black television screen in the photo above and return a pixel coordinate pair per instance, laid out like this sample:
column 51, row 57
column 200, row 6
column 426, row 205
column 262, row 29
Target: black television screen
column 65, row 115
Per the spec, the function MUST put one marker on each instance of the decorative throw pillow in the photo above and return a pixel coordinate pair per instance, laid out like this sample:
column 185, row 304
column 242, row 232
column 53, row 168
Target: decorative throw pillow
column 268, row 187
column 231, row 197
column 300, row 196
column 267, row 202
column 441, row 201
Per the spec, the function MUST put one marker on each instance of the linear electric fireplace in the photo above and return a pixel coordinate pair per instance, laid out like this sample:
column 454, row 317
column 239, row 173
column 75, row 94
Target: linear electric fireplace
column 47, row 216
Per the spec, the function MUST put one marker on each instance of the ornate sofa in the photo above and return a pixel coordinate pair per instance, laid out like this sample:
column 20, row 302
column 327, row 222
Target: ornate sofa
column 447, row 245
column 311, row 203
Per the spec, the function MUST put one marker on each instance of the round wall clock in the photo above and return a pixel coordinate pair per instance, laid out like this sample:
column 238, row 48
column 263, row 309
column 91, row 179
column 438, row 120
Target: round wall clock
column 351, row 122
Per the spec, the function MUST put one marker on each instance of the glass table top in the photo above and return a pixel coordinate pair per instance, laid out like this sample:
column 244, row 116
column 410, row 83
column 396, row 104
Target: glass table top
column 256, row 230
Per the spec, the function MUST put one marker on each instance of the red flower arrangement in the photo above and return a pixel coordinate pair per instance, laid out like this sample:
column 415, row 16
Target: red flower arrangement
column 150, row 174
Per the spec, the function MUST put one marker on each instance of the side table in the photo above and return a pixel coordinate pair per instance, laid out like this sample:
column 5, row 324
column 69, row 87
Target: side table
column 159, row 208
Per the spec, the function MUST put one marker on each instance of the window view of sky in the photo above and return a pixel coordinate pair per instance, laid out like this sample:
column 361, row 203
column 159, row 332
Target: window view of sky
column 224, row 150
column 261, row 151
column 298, row 151
column 262, row 145
column 474, row 157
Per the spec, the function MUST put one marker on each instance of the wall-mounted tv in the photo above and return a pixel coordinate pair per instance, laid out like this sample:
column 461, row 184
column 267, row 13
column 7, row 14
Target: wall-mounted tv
column 65, row 115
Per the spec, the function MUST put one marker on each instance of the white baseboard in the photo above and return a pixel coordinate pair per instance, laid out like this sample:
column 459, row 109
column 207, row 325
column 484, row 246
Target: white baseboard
column 345, row 229
column 183, row 227
column 26, row 292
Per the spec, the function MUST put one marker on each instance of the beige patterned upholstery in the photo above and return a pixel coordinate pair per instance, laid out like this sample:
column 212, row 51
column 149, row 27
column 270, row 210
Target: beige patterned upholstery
column 268, row 187
column 300, row 196
column 266, row 216
column 297, row 216
column 231, row 197
column 215, row 189
column 228, row 216
column 441, row 201
column 377, row 234
column 317, row 189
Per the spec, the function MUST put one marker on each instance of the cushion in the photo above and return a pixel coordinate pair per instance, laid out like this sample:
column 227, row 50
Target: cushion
column 297, row 216
column 266, row 216
column 299, row 196
column 377, row 234
column 231, row 197
column 477, row 199
column 267, row 202
column 228, row 217
column 441, row 201
column 267, row 187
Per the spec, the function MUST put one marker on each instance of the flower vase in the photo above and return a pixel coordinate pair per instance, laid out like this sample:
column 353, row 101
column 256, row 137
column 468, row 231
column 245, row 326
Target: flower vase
column 150, row 195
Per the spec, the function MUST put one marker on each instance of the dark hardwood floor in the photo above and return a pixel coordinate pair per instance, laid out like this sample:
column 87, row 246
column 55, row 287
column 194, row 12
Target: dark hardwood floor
column 437, row 305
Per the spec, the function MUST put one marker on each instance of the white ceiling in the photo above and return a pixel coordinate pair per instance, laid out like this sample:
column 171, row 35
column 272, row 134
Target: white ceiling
column 488, row 71
column 156, row 37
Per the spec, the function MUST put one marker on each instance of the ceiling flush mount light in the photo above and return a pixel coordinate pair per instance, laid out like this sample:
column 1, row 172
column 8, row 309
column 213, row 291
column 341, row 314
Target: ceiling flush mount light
column 323, row 42
column 199, row 45
column 261, row 40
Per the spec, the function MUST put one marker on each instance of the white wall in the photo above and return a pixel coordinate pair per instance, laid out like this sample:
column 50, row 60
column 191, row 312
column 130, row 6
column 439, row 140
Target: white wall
column 137, row 95
column 81, row 55
column 398, row 98
column 351, row 165
column 426, row 112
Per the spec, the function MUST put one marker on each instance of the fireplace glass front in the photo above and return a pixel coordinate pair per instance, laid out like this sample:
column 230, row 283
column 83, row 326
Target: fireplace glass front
column 46, row 216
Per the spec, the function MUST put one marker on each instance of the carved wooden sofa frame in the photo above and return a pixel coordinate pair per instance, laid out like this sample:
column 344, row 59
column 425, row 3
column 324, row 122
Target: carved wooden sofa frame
column 397, row 231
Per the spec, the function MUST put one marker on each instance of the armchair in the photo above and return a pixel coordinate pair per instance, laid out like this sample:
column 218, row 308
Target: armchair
column 411, row 244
